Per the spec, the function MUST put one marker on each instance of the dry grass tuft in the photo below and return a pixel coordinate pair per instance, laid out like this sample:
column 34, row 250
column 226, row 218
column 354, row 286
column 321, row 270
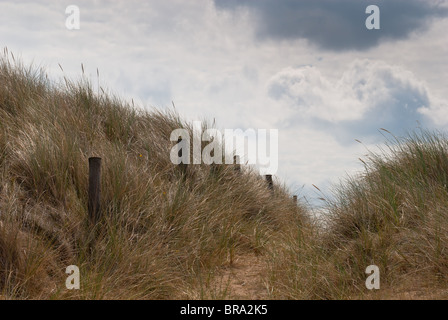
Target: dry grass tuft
column 395, row 216
column 166, row 237
column 161, row 237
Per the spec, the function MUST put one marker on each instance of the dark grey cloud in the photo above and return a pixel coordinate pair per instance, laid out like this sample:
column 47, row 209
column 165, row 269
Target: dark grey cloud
column 337, row 25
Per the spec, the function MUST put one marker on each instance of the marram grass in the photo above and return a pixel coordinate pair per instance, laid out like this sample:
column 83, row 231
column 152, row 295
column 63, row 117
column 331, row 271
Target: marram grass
column 165, row 237
column 160, row 237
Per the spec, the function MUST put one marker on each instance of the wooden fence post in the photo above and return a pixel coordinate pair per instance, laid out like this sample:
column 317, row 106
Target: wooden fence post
column 294, row 199
column 94, row 189
column 270, row 182
column 182, row 166
column 236, row 161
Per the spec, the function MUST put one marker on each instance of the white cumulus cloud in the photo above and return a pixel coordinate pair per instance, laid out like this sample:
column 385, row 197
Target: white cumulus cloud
column 370, row 94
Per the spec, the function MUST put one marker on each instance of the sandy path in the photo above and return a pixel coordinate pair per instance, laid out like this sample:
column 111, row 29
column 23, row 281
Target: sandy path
column 245, row 278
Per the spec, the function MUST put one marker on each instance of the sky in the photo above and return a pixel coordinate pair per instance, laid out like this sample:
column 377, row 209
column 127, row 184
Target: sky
column 310, row 69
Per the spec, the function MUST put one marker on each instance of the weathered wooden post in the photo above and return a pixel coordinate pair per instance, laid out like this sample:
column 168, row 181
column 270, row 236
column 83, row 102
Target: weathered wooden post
column 270, row 182
column 213, row 169
column 94, row 189
column 294, row 199
column 236, row 161
column 182, row 166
